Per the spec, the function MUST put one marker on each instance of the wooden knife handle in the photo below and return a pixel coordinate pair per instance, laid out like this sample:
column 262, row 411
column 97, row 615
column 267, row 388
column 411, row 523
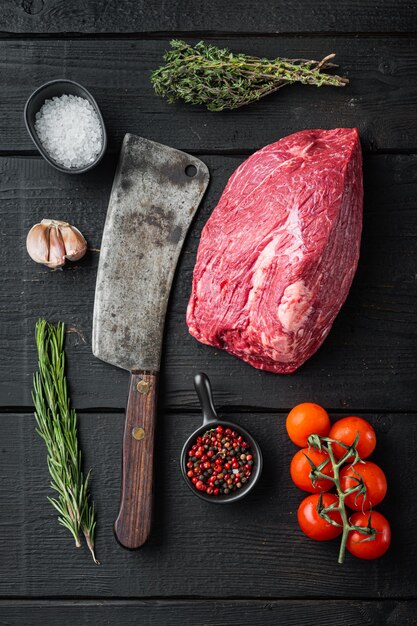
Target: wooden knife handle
column 133, row 524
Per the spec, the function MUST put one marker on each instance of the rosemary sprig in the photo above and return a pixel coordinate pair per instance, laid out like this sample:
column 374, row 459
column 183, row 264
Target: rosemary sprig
column 220, row 79
column 57, row 425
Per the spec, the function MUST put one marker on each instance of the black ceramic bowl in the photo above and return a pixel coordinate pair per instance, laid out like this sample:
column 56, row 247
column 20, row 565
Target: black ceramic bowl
column 211, row 420
column 58, row 88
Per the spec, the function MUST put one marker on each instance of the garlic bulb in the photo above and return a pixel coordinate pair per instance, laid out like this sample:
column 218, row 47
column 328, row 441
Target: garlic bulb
column 52, row 242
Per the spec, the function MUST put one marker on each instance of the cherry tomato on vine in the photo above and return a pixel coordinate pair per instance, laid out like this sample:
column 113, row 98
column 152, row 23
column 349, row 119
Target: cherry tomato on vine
column 306, row 419
column 346, row 429
column 369, row 549
column 312, row 524
column 300, row 470
column 374, row 480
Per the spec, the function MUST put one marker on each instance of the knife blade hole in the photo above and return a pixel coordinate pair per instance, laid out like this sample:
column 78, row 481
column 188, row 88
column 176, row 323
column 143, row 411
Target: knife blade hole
column 191, row 170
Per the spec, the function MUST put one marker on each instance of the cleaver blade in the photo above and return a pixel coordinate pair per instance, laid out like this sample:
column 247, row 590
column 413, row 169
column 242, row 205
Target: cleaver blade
column 155, row 195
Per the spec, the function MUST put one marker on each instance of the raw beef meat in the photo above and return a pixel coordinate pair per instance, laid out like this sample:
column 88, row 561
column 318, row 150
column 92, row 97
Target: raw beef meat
column 279, row 252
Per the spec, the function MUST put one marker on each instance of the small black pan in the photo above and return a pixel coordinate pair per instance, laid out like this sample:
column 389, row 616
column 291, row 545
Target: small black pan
column 48, row 91
column 210, row 420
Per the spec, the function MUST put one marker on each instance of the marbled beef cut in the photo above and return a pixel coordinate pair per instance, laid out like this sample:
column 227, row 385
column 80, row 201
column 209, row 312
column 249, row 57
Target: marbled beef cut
column 277, row 256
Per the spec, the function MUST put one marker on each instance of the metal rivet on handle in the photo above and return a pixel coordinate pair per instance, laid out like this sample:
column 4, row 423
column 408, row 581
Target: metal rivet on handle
column 138, row 433
column 143, row 387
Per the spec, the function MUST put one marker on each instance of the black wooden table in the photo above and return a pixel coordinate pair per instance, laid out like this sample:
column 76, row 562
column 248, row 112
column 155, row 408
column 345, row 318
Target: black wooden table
column 247, row 563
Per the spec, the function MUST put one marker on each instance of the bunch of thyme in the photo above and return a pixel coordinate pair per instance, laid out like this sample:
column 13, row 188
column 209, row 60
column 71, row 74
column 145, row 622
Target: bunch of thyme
column 220, row 79
column 57, row 425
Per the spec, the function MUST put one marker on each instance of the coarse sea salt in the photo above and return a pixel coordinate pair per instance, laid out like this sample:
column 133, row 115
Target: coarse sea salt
column 70, row 131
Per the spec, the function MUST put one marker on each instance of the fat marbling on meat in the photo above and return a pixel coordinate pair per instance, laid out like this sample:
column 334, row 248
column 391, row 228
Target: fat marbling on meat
column 277, row 256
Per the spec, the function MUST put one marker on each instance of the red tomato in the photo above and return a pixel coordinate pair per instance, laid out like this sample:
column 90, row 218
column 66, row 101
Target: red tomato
column 312, row 524
column 300, row 470
column 375, row 483
column 304, row 420
column 369, row 549
column 346, row 429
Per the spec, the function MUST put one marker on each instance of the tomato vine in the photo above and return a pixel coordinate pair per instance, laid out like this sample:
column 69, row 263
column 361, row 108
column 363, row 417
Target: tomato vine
column 325, row 443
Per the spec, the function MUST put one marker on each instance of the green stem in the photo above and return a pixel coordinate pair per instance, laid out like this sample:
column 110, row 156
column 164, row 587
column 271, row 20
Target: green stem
column 341, row 507
column 345, row 534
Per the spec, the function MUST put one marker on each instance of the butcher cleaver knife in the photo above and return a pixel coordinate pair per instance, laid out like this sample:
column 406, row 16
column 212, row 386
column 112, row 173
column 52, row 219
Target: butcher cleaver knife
column 155, row 194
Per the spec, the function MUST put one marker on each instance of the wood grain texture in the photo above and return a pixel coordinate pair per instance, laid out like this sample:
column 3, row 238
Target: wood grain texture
column 251, row 548
column 367, row 362
column 113, row 16
column 380, row 99
column 209, row 613
column 133, row 523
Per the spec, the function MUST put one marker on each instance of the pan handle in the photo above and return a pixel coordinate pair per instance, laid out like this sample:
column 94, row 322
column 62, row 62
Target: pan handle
column 133, row 524
column 203, row 388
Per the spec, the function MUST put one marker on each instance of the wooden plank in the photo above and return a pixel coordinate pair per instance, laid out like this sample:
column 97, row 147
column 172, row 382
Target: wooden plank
column 367, row 362
column 252, row 548
column 189, row 613
column 380, row 99
column 53, row 16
